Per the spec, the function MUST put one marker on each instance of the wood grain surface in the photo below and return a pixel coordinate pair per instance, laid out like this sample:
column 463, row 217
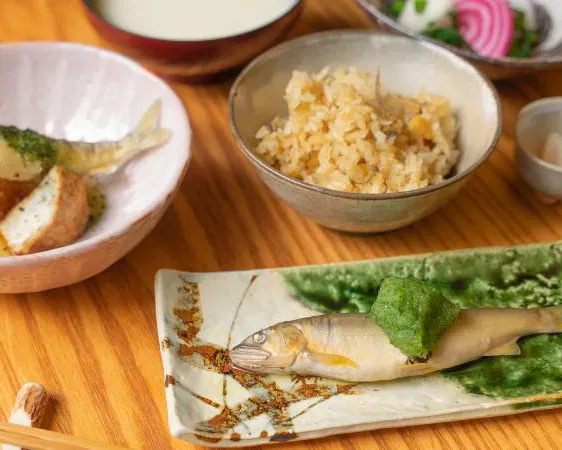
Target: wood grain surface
column 94, row 345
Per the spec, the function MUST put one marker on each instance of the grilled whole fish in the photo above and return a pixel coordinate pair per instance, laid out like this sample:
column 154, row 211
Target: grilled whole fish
column 352, row 347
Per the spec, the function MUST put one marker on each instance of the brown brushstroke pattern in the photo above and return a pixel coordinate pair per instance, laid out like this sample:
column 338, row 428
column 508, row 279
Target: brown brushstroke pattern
column 266, row 396
column 283, row 436
column 169, row 380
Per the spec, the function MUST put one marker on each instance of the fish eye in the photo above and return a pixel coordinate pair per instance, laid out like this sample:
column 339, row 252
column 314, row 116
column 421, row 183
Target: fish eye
column 260, row 338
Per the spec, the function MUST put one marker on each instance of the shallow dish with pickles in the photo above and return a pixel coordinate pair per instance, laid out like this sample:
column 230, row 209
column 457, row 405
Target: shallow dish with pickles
column 501, row 37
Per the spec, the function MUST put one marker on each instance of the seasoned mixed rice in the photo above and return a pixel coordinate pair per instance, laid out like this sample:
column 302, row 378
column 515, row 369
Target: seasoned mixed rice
column 344, row 133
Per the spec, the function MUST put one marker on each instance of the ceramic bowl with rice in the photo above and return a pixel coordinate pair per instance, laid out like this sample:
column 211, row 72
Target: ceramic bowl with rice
column 344, row 133
column 363, row 131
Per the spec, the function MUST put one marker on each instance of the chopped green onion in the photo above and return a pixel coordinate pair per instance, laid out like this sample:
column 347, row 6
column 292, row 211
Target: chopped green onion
column 449, row 36
column 397, row 7
column 446, row 31
column 420, row 5
column 518, row 19
column 524, row 39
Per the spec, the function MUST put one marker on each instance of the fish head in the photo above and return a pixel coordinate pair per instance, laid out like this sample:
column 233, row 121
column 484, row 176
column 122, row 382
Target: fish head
column 271, row 350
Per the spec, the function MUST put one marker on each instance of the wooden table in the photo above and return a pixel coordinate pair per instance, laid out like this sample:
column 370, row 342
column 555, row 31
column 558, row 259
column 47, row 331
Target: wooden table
column 94, row 345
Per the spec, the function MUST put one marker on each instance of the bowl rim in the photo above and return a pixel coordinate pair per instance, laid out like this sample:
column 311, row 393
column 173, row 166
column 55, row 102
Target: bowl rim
column 527, row 109
column 338, row 34
column 92, row 13
column 174, row 181
column 535, row 62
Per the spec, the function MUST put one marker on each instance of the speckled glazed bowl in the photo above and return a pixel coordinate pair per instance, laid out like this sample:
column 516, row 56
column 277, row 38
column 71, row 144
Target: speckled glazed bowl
column 549, row 16
column 194, row 61
column 78, row 92
column 406, row 66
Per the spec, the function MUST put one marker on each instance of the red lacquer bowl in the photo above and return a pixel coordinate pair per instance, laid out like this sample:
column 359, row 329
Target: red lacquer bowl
column 194, row 61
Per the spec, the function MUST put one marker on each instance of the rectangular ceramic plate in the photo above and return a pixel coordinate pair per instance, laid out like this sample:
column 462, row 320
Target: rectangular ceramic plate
column 200, row 316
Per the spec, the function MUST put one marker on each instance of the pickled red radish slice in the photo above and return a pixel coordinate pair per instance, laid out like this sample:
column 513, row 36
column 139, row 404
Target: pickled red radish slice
column 487, row 25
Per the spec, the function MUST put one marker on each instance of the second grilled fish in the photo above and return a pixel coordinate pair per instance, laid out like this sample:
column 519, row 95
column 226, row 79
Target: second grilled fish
column 27, row 155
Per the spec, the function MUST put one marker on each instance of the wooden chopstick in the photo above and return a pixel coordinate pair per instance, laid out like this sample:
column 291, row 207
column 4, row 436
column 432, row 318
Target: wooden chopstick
column 29, row 409
column 38, row 439
column 27, row 413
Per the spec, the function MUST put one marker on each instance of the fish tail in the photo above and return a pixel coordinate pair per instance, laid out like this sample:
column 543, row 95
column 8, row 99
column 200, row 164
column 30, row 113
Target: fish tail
column 107, row 157
column 150, row 119
column 551, row 319
column 148, row 131
column 146, row 135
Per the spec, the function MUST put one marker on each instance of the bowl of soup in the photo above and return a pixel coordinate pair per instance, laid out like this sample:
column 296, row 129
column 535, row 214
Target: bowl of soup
column 192, row 40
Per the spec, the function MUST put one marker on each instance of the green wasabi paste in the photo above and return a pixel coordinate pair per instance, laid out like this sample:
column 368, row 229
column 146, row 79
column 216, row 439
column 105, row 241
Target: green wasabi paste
column 413, row 315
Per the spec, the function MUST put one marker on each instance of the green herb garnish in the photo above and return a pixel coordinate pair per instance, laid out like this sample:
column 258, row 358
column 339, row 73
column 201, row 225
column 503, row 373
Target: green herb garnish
column 449, row 36
column 31, row 145
column 447, row 31
column 420, row 5
column 524, row 39
column 396, row 7
column 97, row 204
column 518, row 19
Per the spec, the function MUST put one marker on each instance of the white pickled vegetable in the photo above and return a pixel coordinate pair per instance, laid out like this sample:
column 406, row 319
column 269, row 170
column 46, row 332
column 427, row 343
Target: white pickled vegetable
column 418, row 21
column 552, row 151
